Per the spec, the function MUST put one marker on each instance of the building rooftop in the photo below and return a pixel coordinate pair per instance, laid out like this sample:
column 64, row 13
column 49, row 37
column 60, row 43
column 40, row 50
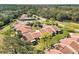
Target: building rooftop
column 24, row 29
column 75, row 45
column 28, row 36
column 66, row 41
column 25, row 16
column 43, row 30
column 36, row 34
column 53, row 51
column 49, row 30
column 68, row 50
column 74, row 35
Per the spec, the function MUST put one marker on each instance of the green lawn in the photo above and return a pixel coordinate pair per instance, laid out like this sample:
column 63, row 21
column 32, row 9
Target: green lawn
column 69, row 26
column 58, row 37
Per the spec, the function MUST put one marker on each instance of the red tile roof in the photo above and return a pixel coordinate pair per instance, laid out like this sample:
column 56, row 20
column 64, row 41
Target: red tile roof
column 67, row 41
column 68, row 45
column 68, row 50
column 74, row 35
column 53, row 51
column 22, row 25
column 49, row 30
column 75, row 45
column 28, row 36
column 17, row 26
column 60, row 46
column 43, row 30
column 23, row 16
column 53, row 29
column 36, row 34
column 24, row 30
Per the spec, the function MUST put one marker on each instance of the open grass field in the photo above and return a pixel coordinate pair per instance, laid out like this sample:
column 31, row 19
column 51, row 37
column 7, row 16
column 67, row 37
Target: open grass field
column 69, row 26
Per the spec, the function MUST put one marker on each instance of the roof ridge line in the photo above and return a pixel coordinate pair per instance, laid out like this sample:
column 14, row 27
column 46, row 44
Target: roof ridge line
column 72, row 49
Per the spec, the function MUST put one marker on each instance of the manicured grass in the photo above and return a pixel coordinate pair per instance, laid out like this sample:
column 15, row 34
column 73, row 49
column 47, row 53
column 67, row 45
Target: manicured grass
column 69, row 26
column 58, row 37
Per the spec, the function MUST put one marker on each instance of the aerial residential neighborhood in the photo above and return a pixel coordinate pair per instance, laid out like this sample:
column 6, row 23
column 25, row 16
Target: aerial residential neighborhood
column 47, row 29
column 68, row 45
column 31, row 35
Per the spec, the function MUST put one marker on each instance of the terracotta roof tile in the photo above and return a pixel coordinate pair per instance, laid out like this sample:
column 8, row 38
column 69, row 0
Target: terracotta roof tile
column 24, row 30
column 74, row 35
column 43, row 30
column 53, row 51
column 53, row 29
column 49, row 30
column 23, row 16
column 36, row 34
column 75, row 45
column 68, row 50
column 67, row 41
column 28, row 36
